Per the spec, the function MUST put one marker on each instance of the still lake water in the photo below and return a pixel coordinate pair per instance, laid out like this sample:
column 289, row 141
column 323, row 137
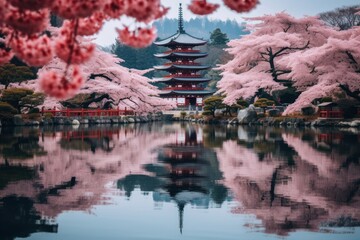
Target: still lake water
column 179, row 181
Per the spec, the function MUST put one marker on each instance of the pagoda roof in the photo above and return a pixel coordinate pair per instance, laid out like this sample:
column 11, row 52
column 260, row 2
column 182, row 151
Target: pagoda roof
column 179, row 66
column 180, row 79
column 181, row 54
column 182, row 92
column 181, row 38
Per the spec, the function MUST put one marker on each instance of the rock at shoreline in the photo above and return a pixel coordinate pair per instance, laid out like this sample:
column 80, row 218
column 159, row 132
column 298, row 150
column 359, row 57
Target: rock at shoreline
column 247, row 115
column 75, row 122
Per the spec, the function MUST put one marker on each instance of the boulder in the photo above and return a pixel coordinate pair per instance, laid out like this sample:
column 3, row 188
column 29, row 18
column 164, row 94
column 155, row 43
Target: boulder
column 247, row 115
column 233, row 121
column 130, row 120
column 75, row 122
column 84, row 121
column 355, row 123
column 219, row 112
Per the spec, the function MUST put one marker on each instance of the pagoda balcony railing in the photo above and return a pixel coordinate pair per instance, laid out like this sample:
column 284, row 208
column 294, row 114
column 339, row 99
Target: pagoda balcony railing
column 183, row 76
column 184, row 88
column 183, row 51
column 182, row 63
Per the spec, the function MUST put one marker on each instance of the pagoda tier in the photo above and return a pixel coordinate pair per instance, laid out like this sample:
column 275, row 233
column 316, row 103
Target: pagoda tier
column 175, row 67
column 181, row 80
column 185, row 84
column 180, row 40
column 182, row 55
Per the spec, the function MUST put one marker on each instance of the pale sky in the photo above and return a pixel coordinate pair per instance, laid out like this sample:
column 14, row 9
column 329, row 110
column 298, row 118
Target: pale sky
column 297, row 8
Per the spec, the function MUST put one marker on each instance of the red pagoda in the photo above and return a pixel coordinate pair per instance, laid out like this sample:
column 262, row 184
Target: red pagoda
column 185, row 85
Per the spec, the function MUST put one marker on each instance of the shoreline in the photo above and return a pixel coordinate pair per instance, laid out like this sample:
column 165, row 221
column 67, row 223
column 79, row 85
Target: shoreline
column 119, row 120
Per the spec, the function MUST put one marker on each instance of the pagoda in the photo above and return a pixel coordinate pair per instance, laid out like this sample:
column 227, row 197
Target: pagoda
column 185, row 85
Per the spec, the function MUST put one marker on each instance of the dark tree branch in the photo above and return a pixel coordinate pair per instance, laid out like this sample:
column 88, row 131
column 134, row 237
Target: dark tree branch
column 353, row 94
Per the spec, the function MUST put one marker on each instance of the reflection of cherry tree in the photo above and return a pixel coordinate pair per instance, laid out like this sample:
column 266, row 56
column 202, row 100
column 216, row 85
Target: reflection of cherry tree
column 71, row 179
column 313, row 191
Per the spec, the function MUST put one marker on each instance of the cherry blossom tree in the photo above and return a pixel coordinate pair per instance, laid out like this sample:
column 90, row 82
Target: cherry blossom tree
column 124, row 87
column 327, row 69
column 24, row 32
column 258, row 63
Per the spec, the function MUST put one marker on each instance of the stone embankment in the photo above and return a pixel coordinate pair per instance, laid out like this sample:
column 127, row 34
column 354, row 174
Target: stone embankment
column 19, row 121
column 273, row 121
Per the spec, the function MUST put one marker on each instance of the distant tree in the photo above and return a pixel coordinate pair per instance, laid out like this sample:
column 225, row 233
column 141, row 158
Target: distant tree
column 212, row 103
column 343, row 18
column 264, row 103
column 142, row 58
column 10, row 73
column 218, row 38
column 22, row 97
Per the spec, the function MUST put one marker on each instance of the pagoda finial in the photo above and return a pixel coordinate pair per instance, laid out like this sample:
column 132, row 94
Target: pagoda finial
column 181, row 26
column 181, row 207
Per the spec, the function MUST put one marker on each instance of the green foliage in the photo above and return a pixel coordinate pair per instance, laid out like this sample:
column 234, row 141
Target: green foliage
column 22, row 97
column 326, row 99
column 48, row 116
column 34, row 110
column 10, row 73
column 212, row 103
column 218, row 38
column 263, row 103
column 33, row 100
column 288, row 95
column 142, row 58
column 7, row 111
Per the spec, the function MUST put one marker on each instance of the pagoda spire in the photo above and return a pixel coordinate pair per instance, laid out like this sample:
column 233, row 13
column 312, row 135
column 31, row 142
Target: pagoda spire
column 181, row 20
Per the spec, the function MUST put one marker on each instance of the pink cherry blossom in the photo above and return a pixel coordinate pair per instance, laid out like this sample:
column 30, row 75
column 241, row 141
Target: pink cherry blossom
column 241, row 5
column 31, row 4
column 202, row 7
column 5, row 55
column 139, row 38
column 115, row 8
column 61, row 86
column 69, row 49
column 26, row 21
column 77, row 8
column 143, row 10
column 87, row 26
column 33, row 50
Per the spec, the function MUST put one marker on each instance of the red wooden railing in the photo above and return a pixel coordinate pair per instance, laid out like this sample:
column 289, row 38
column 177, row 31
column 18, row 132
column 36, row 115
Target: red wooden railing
column 87, row 112
column 95, row 134
column 331, row 114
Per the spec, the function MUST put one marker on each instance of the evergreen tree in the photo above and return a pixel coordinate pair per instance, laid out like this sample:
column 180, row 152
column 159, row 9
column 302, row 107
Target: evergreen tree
column 10, row 73
column 218, row 38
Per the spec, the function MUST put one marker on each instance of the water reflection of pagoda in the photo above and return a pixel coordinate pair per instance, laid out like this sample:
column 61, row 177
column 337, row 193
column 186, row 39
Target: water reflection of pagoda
column 185, row 173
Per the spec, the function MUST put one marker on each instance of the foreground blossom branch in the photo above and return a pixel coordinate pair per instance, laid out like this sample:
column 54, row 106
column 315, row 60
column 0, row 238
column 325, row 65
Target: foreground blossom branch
column 25, row 32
